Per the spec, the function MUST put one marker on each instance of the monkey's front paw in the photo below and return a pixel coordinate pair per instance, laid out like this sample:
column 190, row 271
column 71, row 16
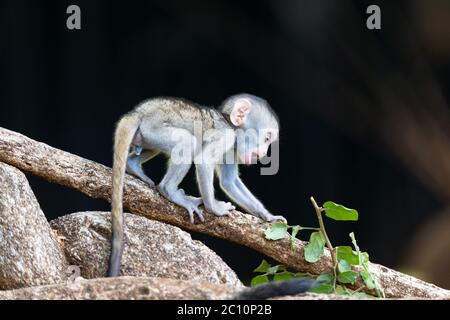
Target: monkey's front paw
column 221, row 208
column 270, row 218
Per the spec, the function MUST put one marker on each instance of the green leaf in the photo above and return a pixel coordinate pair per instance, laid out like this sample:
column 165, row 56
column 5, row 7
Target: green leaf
column 295, row 230
column 364, row 256
column 299, row 275
column 347, row 277
column 281, row 267
column 325, row 279
column 282, row 276
column 275, row 269
column 344, row 266
column 347, row 253
column 368, row 279
column 323, row 288
column 263, row 267
column 326, row 284
column 261, row 279
column 341, row 290
column 314, row 249
column 276, row 231
column 339, row 212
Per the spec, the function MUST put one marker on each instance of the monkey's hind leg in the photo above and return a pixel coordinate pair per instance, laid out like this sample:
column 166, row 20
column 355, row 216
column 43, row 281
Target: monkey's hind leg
column 169, row 189
column 164, row 139
column 134, row 165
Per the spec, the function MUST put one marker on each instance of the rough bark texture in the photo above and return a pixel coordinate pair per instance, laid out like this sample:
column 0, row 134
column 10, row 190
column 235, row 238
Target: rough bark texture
column 94, row 180
column 152, row 249
column 29, row 252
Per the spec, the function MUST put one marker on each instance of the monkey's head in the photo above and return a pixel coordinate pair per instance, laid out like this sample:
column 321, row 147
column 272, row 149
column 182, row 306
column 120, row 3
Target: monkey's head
column 256, row 125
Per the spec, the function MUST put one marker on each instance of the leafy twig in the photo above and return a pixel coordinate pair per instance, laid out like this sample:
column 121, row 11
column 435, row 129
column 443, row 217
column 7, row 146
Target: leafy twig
column 322, row 229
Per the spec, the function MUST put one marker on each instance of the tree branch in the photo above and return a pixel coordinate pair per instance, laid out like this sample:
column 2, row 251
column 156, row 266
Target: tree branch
column 94, row 180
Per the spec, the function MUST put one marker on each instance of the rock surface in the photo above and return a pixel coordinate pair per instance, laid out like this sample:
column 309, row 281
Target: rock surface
column 29, row 251
column 120, row 288
column 152, row 249
column 141, row 288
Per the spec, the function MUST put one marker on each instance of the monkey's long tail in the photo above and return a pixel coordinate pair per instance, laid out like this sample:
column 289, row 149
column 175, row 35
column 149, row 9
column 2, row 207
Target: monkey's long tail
column 125, row 131
column 276, row 289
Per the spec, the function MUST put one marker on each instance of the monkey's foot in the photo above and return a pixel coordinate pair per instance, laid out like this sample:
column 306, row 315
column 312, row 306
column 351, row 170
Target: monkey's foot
column 270, row 218
column 147, row 180
column 220, row 208
column 195, row 200
column 189, row 203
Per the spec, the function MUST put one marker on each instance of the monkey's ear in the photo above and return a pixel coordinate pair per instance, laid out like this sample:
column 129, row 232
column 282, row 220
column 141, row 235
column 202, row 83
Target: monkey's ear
column 241, row 109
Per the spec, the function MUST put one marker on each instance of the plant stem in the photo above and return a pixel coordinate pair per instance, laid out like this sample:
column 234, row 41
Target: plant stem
column 309, row 228
column 327, row 240
column 359, row 289
column 322, row 229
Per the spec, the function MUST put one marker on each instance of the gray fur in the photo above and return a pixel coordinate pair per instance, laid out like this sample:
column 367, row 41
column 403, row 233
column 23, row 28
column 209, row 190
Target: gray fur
column 151, row 128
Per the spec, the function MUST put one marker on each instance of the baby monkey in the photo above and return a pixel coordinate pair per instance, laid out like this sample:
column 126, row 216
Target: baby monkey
column 240, row 130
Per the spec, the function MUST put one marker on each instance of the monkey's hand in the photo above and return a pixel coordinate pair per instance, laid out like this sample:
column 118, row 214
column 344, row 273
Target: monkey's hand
column 266, row 216
column 220, row 208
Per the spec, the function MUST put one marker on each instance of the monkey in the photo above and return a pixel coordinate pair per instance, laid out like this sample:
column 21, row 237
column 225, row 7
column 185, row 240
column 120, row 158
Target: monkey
column 205, row 136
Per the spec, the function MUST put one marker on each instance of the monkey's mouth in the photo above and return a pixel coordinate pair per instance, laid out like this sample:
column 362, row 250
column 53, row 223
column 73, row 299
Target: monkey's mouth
column 249, row 159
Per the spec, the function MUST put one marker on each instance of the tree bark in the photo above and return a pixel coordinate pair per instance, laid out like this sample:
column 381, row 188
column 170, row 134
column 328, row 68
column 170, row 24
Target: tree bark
column 94, row 180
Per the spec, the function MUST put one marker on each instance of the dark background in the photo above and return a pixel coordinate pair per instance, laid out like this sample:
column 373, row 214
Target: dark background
column 351, row 101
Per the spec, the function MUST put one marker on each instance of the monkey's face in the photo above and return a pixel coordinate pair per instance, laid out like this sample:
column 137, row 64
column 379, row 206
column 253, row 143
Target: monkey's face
column 257, row 126
column 253, row 144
